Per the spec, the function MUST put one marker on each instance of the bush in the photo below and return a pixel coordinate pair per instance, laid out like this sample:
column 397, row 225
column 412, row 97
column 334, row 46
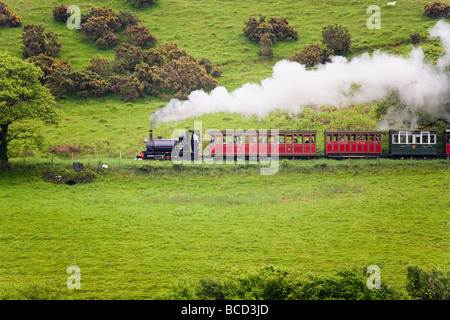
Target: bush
column 150, row 77
column 107, row 41
column 437, row 9
column 108, row 15
column 277, row 28
column 337, row 39
column 428, row 285
column 414, row 37
column 127, row 57
column 141, row 3
column 311, row 54
column 60, row 13
column 94, row 28
column 282, row 29
column 127, row 19
column 8, row 17
column 48, row 64
column 62, row 176
column 266, row 46
column 100, row 66
column 185, row 75
column 35, row 42
column 140, row 36
column 129, row 88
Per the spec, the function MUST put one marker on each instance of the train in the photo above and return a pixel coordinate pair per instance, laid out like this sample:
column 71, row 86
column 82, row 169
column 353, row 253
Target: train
column 298, row 144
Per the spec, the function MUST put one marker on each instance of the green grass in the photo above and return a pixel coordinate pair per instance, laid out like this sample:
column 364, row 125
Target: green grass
column 134, row 233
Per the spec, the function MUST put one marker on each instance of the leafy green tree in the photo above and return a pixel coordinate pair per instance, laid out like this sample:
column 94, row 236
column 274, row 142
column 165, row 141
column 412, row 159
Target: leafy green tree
column 22, row 97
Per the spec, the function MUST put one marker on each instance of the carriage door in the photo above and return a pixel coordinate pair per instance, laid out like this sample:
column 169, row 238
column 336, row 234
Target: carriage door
column 289, row 144
column 307, row 143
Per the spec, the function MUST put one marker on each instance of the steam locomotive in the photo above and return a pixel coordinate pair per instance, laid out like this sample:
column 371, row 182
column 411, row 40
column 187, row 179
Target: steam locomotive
column 298, row 144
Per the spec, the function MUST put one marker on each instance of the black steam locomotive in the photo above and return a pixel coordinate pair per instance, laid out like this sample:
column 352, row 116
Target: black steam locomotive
column 165, row 149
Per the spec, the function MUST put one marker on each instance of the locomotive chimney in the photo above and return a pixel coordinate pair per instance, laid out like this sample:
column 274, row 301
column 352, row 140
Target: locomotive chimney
column 151, row 135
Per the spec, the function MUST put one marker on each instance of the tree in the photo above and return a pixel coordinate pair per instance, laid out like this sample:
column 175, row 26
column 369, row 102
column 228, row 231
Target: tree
column 22, row 97
column 337, row 39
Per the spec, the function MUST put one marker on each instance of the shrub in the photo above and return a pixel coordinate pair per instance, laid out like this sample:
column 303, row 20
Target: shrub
column 127, row 19
column 95, row 28
column 60, row 13
column 414, row 37
column 266, row 46
column 62, row 176
column 153, row 57
column 277, row 28
column 282, row 29
column 150, row 77
column 185, row 75
column 49, row 64
column 337, row 39
column 127, row 57
column 141, row 3
column 311, row 54
column 60, row 82
column 428, row 285
column 140, row 36
column 100, row 66
column 108, row 15
column 8, row 17
column 107, row 41
column 129, row 88
column 437, row 9
column 35, row 42
column 170, row 52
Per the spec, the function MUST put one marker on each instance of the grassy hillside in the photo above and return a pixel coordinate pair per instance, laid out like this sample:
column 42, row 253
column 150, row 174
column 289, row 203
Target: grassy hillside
column 211, row 29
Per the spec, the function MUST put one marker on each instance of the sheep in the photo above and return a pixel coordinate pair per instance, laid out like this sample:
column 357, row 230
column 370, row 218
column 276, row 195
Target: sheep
column 391, row 3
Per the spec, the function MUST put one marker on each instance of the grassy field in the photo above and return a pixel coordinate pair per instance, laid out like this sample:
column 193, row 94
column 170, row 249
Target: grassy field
column 211, row 29
column 136, row 233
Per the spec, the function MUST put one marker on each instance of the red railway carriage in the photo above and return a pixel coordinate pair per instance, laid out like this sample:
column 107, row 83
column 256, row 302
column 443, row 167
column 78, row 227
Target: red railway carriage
column 352, row 143
column 447, row 142
column 263, row 142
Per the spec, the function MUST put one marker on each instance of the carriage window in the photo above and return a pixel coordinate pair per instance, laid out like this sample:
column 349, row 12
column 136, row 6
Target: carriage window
column 307, row 139
column 289, row 139
column 416, row 139
column 341, row 138
column 378, row 138
column 252, row 139
column 298, row 138
column 347, row 137
column 353, row 137
column 395, row 138
column 247, row 139
column 335, row 138
column 263, row 139
column 371, row 137
column 272, row 139
column 313, row 139
column 364, row 137
column 219, row 139
column 432, row 139
column 425, row 139
column 228, row 139
column 403, row 138
column 410, row 139
column 281, row 138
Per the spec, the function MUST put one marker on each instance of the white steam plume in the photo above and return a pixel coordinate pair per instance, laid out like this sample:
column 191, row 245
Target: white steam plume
column 291, row 86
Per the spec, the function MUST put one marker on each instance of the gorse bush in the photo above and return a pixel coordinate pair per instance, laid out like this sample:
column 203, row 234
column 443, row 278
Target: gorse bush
column 35, row 42
column 437, row 9
column 127, row 57
column 337, row 38
column 312, row 54
column 278, row 29
column 266, row 46
column 60, row 13
column 8, row 17
column 48, row 64
column 128, row 88
column 140, row 36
